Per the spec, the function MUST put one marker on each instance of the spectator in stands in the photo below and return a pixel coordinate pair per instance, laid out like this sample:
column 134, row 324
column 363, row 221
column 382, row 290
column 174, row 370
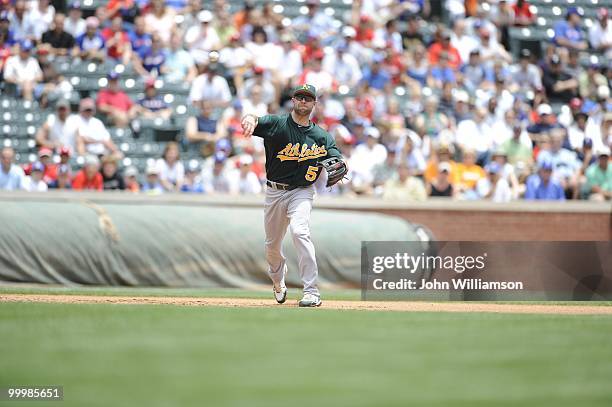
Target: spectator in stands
column 412, row 36
column 468, row 174
column 494, row 186
column 64, row 178
column 389, row 35
column 411, row 155
column 290, row 62
column 152, row 186
column 179, row 65
column 92, row 136
column 193, row 181
column 160, row 20
column 265, row 88
column 518, row 152
column 89, row 177
column 211, row 87
column 525, row 75
column 115, row 103
column 204, row 130
column 45, row 157
column 599, row 177
column 191, row 15
column 600, row 33
column 75, row 24
column 522, row 13
column 441, row 73
column 568, row 32
column 546, row 121
column 170, row 168
column 151, row 61
column 140, row 40
column 443, row 44
column 34, row 182
column 23, row 27
column 383, row 172
column 215, row 177
column 491, row 50
column 365, row 157
column 541, row 186
column 202, row 38
column 130, row 179
column 431, row 121
column 404, row 187
column 23, row 71
column 117, row 41
column 565, row 163
column 59, row 129
column 42, row 16
column 255, row 103
column 441, row 186
column 111, row 177
column 343, row 66
column 60, row 42
column 375, row 76
column 126, row 9
column 153, row 105
column 243, row 180
column 11, row 175
column 590, row 80
column 476, row 134
column 475, row 74
column 315, row 24
column 90, row 45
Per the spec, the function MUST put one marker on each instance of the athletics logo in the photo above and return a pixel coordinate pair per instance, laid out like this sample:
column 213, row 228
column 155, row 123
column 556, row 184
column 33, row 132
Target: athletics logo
column 301, row 152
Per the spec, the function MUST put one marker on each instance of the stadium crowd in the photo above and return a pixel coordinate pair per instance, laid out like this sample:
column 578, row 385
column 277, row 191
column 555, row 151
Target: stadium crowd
column 419, row 107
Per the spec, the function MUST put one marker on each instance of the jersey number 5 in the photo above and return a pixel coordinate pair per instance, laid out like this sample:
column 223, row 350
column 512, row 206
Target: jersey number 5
column 311, row 173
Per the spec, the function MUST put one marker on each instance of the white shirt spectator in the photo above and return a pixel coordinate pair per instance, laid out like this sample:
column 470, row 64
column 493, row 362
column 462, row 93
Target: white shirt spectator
column 343, row 67
column 216, row 89
column 321, row 80
column 502, row 193
column 382, row 35
column 474, row 136
column 162, row 26
column 363, row 160
column 290, row 64
column 527, row 78
column 258, row 109
column 200, row 40
column 63, row 133
column 22, row 29
column 34, row 186
column 464, row 44
column 13, row 179
column 233, row 58
column 93, row 129
column 239, row 184
column 601, row 37
column 41, row 21
column 174, row 174
column 19, row 70
column 74, row 27
column 265, row 55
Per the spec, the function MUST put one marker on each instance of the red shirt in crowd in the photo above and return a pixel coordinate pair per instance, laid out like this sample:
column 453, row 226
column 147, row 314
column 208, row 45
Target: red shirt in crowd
column 454, row 59
column 119, row 100
column 49, row 175
column 81, row 181
column 116, row 51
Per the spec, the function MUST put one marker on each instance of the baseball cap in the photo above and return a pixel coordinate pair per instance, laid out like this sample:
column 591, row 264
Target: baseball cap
column 603, row 151
column 525, row 53
column 62, row 103
column 574, row 10
column 223, row 145
column 544, row 108
column 372, row 132
column 45, row 152
column 4, row 16
column 131, row 171
column 603, row 92
column 113, row 75
column 546, row 165
column 193, row 166
column 26, row 45
column 152, row 170
column 444, row 166
column 349, row 31
column 65, row 150
column 305, row 89
column 38, row 166
column 493, row 168
column 258, row 70
column 75, row 5
column 150, row 83
column 555, row 60
column 245, row 159
column 575, row 103
column 205, row 16
column 92, row 160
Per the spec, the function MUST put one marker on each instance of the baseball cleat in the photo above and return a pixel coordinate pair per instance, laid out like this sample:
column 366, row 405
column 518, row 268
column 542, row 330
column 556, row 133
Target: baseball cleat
column 280, row 295
column 310, row 300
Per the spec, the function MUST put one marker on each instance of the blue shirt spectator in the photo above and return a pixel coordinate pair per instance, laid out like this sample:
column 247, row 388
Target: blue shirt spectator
column 11, row 175
column 541, row 186
column 443, row 74
column 568, row 32
column 87, row 43
column 140, row 42
column 375, row 76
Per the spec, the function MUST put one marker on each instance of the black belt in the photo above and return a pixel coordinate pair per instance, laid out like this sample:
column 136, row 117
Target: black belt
column 278, row 185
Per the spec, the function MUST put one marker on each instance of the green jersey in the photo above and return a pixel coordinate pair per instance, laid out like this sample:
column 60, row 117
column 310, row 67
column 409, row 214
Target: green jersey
column 293, row 151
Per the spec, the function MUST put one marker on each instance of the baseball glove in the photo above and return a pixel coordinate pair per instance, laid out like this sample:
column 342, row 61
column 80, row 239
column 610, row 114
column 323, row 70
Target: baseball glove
column 336, row 170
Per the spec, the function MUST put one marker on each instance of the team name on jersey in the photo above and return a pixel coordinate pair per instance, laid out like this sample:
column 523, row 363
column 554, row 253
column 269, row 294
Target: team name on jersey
column 301, row 152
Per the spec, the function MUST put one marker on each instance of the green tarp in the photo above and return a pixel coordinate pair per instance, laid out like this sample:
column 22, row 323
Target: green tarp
column 78, row 242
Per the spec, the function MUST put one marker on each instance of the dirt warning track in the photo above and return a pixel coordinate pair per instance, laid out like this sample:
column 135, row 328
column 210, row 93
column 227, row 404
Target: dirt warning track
column 516, row 308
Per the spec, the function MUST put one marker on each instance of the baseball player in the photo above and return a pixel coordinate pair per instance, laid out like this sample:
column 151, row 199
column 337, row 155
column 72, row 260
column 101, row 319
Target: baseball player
column 296, row 150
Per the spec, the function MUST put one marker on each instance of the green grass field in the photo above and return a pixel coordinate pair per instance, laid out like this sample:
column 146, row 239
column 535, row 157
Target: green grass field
column 161, row 355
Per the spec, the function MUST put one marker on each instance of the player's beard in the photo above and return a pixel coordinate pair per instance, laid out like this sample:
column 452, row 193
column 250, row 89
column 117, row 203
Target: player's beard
column 302, row 111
